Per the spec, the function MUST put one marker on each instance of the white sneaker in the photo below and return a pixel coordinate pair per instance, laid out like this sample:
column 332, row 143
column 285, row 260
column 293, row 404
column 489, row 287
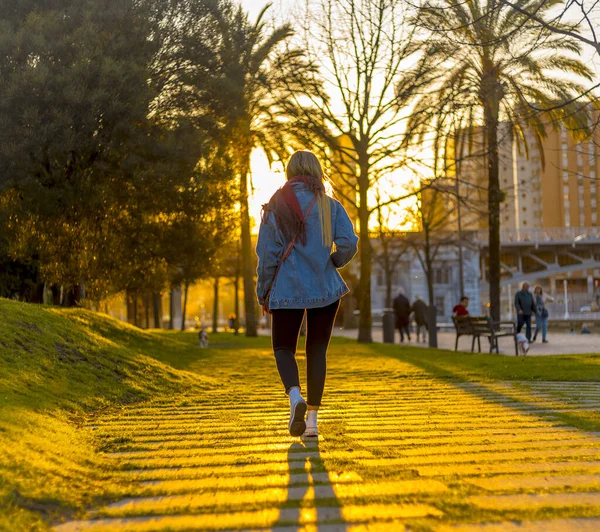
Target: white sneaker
column 297, row 425
column 311, row 425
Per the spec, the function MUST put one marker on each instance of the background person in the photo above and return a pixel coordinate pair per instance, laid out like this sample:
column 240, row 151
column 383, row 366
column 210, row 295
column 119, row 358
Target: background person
column 231, row 322
column 419, row 308
column 525, row 307
column 402, row 314
column 297, row 274
column 541, row 313
column 461, row 308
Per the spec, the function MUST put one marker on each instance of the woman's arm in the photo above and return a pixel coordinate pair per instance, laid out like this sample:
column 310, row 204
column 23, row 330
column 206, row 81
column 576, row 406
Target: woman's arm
column 344, row 237
column 268, row 250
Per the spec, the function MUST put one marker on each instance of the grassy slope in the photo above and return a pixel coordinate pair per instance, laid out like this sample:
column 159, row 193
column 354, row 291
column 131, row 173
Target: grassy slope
column 58, row 368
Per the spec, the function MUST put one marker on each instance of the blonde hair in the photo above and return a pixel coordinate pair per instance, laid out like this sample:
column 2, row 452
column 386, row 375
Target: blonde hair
column 305, row 163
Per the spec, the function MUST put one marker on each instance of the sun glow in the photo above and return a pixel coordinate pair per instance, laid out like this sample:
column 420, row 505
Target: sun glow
column 265, row 180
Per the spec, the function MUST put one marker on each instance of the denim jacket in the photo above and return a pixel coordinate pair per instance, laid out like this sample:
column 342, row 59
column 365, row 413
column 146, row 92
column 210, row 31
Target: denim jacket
column 308, row 278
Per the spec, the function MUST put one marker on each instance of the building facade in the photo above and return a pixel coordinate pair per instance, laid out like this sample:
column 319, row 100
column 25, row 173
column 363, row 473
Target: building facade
column 549, row 185
column 409, row 277
column 549, row 188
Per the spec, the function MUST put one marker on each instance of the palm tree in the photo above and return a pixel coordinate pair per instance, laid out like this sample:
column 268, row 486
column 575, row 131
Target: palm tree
column 251, row 90
column 489, row 64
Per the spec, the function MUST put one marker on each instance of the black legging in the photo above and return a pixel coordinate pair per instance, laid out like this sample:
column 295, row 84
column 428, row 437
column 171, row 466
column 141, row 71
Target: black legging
column 285, row 328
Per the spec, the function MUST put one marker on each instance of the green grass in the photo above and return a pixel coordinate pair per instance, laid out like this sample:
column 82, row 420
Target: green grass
column 58, row 368
column 61, row 368
column 490, row 367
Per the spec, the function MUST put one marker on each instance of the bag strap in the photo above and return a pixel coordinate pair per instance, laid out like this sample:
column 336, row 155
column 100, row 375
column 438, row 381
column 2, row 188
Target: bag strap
column 288, row 250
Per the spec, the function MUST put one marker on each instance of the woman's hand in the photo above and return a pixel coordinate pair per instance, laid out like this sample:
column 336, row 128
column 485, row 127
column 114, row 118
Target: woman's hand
column 265, row 303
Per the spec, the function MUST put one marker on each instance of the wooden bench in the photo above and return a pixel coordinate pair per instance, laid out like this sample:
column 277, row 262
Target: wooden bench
column 478, row 326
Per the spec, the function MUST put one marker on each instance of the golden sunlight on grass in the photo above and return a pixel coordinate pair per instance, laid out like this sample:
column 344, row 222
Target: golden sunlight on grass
column 157, row 438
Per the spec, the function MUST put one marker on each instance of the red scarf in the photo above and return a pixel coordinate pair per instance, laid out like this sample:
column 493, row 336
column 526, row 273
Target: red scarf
column 287, row 210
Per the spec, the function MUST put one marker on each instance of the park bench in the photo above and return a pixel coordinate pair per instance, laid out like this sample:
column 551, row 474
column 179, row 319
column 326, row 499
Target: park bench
column 478, row 326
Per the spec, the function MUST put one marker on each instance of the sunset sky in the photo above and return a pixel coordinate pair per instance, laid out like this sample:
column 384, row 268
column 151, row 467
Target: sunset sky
column 266, row 180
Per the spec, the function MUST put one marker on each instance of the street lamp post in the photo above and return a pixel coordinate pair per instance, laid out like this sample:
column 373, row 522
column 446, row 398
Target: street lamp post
column 460, row 248
column 566, row 299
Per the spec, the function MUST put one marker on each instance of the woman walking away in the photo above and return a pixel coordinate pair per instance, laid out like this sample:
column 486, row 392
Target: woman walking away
column 297, row 274
column 541, row 313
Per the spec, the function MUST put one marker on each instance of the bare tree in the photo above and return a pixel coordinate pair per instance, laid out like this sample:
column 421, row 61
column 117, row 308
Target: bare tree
column 362, row 48
column 390, row 250
column 586, row 15
column 430, row 215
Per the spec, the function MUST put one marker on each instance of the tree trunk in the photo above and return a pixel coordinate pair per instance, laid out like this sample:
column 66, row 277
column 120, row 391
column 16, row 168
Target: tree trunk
column 215, row 316
column 432, row 318
column 55, row 289
column 37, row 294
column 156, row 304
column 364, row 285
column 491, row 94
column 491, row 126
column 171, row 307
column 247, row 265
column 184, row 309
column 461, row 268
column 71, row 296
column 236, row 305
column 147, row 309
column 135, row 309
column 388, row 287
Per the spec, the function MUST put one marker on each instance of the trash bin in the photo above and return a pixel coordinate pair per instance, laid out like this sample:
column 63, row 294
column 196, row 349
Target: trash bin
column 388, row 326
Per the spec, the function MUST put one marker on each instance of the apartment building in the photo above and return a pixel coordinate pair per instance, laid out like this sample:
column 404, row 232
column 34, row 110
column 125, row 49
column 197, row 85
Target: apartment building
column 551, row 185
column 547, row 188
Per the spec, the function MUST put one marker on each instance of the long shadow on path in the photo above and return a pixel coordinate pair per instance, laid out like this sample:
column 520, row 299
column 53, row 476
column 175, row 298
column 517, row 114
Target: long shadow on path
column 311, row 496
column 489, row 390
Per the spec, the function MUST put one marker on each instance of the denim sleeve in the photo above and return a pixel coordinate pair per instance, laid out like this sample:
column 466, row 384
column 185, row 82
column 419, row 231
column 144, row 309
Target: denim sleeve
column 268, row 250
column 344, row 237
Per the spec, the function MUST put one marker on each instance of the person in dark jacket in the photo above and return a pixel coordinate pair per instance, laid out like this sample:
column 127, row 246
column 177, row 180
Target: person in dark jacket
column 525, row 307
column 402, row 313
column 419, row 308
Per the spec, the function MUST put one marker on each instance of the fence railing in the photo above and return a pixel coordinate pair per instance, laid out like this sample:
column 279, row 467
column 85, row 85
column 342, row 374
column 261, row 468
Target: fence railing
column 572, row 235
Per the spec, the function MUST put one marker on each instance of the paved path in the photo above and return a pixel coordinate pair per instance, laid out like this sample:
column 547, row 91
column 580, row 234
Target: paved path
column 558, row 343
column 400, row 450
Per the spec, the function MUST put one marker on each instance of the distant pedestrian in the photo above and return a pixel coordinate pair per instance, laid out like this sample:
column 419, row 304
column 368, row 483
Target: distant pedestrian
column 541, row 313
column 402, row 314
column 231, row 322
column 461, row 308
column 303, row 223
column 525, row 307
column 419, row 308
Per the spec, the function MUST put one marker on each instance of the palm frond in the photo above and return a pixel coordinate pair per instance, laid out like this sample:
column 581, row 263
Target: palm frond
column 260, row 54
